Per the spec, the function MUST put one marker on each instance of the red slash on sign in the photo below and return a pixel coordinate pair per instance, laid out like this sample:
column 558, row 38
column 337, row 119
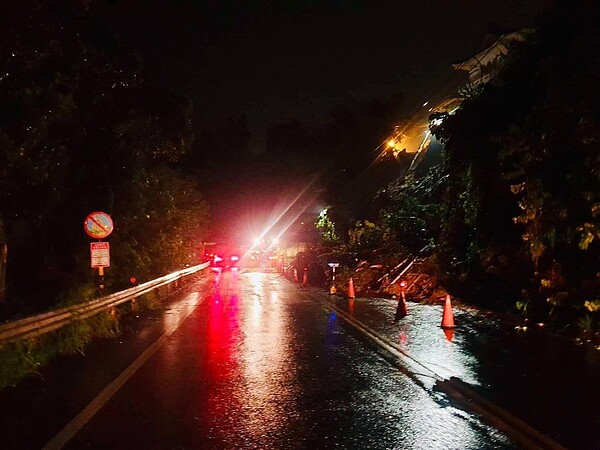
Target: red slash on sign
column 99, row 254
column 98, row 225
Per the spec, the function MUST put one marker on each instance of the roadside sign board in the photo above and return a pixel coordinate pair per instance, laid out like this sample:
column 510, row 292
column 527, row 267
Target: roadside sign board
column 98, row 225
column 99, row 254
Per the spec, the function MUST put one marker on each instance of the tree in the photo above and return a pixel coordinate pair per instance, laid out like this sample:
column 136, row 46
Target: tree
column 521, row 156
column 82, row 129
column 164, row 222
column 550, row 156
column 326, row 227
column 410, row 209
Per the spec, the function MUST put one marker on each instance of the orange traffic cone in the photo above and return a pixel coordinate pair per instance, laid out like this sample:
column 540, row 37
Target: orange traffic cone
column 351, row 289
column 305, row 278
column 448, row 317
column 401, row 309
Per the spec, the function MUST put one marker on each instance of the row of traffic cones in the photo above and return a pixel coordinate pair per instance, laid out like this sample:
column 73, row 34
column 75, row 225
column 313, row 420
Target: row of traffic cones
column 304, row 277
column 447, row 315
column 402, row 309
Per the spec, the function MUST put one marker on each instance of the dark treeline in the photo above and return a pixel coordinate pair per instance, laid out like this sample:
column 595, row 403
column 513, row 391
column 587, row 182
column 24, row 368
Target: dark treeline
column 339, row 160
column 83, row 129
column 346, row 153
column 522, row 156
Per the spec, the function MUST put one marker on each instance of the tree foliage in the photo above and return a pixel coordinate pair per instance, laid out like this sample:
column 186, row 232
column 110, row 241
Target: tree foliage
column 82, row 129
column 522, row 160
column 551, row 157
column 410, row 210
column 327, row 227
column 366, row 236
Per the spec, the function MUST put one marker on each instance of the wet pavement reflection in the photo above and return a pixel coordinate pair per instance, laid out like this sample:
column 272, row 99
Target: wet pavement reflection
column 259, row 365
column 545, row 380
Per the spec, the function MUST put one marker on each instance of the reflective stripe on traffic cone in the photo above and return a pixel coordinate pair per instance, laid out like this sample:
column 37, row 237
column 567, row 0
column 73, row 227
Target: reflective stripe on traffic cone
column 351, row 289
column 448, row 317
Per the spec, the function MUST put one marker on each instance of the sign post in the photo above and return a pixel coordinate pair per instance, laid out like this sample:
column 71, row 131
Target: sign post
column 99, row 225
column 332, row 289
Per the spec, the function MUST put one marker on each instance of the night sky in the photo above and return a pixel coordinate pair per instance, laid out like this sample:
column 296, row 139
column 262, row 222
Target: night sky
column 277, row 60
column 274, row 61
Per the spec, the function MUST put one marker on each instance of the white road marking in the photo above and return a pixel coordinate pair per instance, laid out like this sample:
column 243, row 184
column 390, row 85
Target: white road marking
column 79, row 421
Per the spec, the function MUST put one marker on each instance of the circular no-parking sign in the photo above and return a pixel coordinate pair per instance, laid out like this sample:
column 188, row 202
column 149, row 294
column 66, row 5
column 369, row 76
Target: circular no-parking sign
column 98, row 225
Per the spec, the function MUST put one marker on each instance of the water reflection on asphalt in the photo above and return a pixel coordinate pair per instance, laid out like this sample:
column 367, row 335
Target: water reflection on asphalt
column 288, row 375
column 547, row 381
column 258, row 365
column 418, row 334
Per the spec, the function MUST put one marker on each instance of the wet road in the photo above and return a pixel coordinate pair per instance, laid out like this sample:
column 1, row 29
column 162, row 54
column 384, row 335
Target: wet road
column 257, row 364
column 546, row 380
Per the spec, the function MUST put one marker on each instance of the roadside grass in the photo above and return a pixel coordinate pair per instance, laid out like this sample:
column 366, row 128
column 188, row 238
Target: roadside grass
column 23, row 358
column 26, row 357
column 150, row 301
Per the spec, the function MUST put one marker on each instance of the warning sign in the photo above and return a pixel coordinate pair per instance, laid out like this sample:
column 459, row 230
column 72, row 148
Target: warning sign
column 100, row 254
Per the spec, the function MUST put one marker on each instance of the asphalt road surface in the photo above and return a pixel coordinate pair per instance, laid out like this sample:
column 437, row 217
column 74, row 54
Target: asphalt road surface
column 253, row 363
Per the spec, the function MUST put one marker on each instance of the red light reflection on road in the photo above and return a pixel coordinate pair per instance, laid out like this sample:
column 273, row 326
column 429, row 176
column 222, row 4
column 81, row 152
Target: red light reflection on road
column 222, row 353
column 248, row 370
column 403, row 338
column 351, row 306
column 222, row 333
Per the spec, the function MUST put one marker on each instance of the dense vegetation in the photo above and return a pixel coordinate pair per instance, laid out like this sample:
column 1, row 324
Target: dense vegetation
column 83, row 129
column 512, row 212
column 523, row 165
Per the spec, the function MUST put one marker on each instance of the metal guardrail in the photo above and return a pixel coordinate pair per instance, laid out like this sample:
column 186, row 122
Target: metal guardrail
column 39, row 324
